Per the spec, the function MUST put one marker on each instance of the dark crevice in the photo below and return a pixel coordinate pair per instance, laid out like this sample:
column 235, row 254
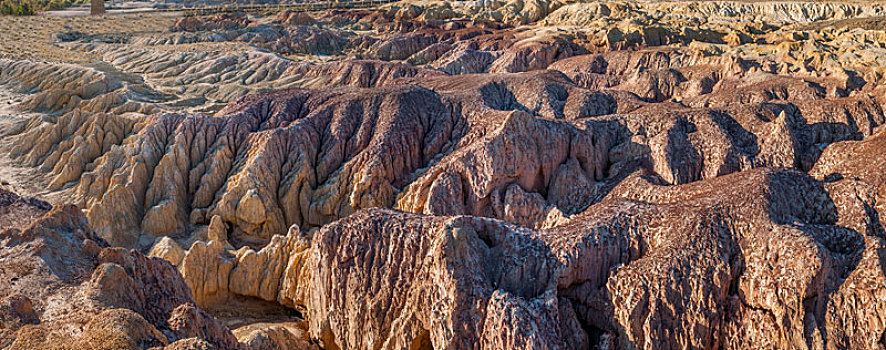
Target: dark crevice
column 422, row 341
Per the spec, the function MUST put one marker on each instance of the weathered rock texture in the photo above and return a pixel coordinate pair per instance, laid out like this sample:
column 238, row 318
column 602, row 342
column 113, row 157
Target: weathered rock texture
column 738, row 261
column 62, row 287
column 436, row 174
column 434, row 132
column 525, row 148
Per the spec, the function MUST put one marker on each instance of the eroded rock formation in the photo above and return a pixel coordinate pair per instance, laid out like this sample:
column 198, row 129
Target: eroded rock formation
column 63, row 287
column 435, row 174
column 721, row 251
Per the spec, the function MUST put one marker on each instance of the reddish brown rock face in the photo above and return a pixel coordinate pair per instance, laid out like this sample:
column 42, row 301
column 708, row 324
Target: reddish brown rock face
column 448, row 175
column 699, row 265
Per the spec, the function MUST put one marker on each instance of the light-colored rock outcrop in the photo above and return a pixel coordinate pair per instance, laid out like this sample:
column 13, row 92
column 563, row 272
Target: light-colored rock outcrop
column 271, row 337
column 167, row 249
column 57, row 88
column 516, row 12
column 216, row 274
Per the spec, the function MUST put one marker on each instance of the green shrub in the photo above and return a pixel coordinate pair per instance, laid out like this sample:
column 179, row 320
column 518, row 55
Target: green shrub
column 30, row 7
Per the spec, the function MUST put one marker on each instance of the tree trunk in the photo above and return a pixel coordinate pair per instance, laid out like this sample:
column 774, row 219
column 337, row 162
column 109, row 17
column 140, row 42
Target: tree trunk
column 98, row 7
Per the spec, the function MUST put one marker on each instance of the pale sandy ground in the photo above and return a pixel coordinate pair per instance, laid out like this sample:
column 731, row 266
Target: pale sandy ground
column 29, row 37
column 111, row 8
column 24, row 181
column 16, row 178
